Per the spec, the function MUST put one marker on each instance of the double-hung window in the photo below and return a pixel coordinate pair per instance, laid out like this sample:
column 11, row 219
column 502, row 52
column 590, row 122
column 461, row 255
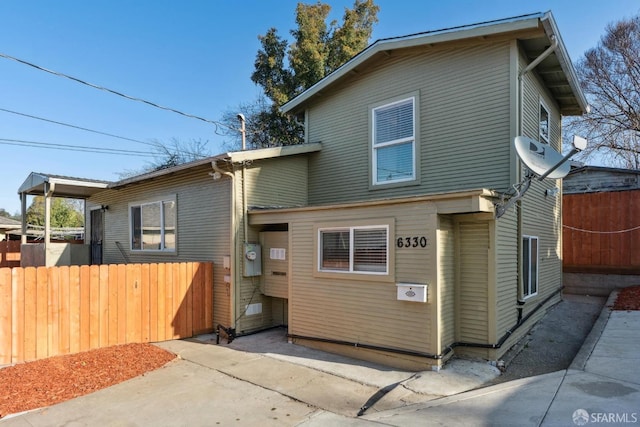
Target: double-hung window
column 529, row 266
column 354, row 249
column 153, row 225
column 544, row 124
column 394, row 142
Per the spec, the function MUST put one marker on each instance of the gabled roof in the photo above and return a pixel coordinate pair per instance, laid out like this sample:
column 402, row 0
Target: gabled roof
column 556, row 70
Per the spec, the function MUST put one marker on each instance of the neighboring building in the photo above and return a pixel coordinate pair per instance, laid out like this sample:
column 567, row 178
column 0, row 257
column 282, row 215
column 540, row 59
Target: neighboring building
column 601, row 234
column 8, row 225
column 378, row 237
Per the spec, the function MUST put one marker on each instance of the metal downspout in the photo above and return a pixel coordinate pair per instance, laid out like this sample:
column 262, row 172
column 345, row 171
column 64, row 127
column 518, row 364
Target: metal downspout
column 527, row 69
column 232, row 236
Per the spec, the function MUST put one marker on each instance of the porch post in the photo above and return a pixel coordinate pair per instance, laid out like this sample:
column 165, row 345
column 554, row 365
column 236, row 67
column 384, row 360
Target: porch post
column 23, row 211
column 47, row 216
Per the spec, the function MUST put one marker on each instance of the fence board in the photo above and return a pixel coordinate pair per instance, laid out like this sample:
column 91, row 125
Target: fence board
column 6, row 302
column 112, row 283
column 53, row 311
column 30, row 304
column 607, row 239
column 103, row 316
column 74, row 309
column 145, row 311
column 17, row 315
column 153, row 306
column 65, row 312
column 61, row 310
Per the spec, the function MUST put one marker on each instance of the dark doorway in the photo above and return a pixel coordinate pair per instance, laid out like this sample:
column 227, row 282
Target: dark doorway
column 97, row 234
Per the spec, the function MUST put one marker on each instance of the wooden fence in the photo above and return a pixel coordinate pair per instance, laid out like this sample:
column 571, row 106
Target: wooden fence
column 601, row 232
column 48, row 311
column 10, row 253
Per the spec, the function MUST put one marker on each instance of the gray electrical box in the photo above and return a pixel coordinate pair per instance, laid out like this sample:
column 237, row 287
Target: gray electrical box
column 252, row 260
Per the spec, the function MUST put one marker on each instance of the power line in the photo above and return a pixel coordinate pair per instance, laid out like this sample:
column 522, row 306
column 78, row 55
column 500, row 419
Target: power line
column 132, row 98
column 78, row 127
column 79, row 148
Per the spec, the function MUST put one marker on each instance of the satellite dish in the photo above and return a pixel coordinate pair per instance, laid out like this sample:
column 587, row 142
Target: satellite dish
column 541, row 158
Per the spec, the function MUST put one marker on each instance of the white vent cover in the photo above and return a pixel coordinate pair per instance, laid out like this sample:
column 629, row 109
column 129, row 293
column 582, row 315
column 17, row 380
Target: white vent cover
column 412, row 292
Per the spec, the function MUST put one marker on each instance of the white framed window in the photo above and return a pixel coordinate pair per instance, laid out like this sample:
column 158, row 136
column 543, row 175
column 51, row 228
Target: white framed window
column 544, row 123
column 394, row 142
column 529, row 266
column 358, row 249
column 153, row 225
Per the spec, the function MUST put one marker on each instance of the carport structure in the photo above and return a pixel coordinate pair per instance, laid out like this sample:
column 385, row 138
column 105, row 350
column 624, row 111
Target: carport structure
column 49, row 186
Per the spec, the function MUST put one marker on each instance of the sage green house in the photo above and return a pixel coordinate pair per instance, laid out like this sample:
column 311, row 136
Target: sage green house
column 385, row 236
column 403, row 253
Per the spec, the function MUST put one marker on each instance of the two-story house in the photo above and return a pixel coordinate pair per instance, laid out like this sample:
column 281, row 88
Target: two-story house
column 378, row 237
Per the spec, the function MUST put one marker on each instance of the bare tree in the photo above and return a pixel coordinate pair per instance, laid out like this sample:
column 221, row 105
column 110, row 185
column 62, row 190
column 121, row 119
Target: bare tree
column 610, row 78
column 172, row 153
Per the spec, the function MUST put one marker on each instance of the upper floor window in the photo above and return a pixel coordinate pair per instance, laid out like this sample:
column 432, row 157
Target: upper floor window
column 544, row 124
column 354, row 249
column 529, row 266
column 153, row 225
column 394, row 142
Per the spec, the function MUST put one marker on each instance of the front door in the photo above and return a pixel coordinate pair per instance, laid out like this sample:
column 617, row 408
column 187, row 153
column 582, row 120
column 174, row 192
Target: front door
column 97, row 234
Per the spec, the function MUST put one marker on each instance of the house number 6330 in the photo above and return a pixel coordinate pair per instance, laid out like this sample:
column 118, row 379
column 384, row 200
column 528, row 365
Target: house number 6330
column 411, row 242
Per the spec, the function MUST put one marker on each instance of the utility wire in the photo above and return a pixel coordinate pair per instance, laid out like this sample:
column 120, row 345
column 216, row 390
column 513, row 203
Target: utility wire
column 77, row 127
column 132, row 98
column 602, row 232
column 51, row 146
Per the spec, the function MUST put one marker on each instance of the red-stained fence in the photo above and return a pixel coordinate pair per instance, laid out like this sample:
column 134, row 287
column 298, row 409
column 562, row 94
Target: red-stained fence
column 601, row 232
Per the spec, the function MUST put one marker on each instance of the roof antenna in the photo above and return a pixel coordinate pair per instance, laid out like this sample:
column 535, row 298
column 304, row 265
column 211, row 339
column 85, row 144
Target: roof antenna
column 542, row 162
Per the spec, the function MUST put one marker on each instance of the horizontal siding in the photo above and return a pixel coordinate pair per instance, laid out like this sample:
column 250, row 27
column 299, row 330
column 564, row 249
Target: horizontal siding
column 464, row 118
column 356, row 309
column 506, row 271
column 278, row 182
column 203, row 230
column 473, row 298
column 446, row 280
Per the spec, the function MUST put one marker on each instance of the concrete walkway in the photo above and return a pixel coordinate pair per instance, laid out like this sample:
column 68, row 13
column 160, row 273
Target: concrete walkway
column 262, row 380
column 601, row 386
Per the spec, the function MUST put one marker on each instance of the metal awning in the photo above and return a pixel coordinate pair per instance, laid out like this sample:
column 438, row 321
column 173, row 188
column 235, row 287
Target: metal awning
column 39, row 184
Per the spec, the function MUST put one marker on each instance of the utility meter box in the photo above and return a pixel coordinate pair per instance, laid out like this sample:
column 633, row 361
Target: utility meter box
column 412, row 292
column 252, row 260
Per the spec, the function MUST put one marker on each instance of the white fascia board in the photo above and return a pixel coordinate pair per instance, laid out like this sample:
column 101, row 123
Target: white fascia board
column 453, row 34
column 550, row 27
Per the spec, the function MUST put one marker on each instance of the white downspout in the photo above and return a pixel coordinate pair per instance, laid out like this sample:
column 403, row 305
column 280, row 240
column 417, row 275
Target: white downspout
column 232, row 235
column 527, row 69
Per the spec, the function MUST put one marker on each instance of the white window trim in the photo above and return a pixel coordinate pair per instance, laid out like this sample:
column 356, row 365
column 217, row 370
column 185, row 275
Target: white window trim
column 375, row 147
column 542, row 138
column 526, row 295
column 351, row 230
column 161, row 200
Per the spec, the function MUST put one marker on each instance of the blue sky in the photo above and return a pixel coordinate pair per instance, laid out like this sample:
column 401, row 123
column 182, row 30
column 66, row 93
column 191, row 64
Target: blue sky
column 194, row 56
